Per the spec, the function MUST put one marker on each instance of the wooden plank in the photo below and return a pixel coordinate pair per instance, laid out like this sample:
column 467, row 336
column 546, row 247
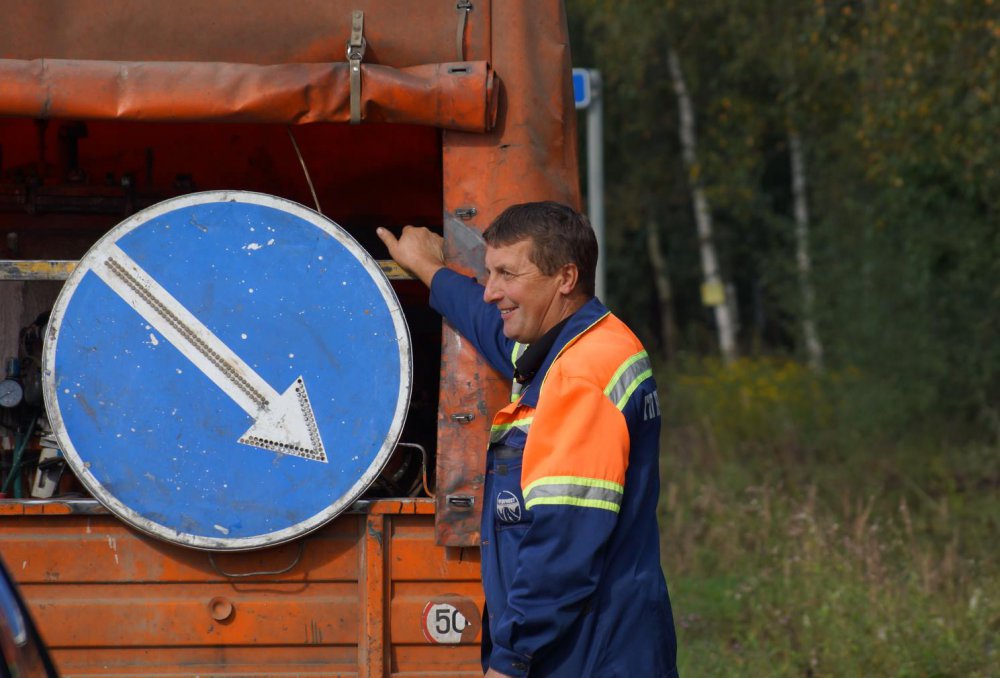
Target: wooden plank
column 36, row 269
column 58, row 269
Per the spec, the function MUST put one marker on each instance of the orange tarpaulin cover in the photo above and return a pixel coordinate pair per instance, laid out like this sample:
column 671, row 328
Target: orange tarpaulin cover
column 530, row 153
column 456, row 96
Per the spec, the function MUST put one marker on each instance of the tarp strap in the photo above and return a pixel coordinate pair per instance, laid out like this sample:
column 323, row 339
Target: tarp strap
column 463, row 7
column 355, row 55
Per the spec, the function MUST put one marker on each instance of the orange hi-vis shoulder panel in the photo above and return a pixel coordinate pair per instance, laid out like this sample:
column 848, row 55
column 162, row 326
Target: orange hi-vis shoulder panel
column 513, row 418
column 577, row 452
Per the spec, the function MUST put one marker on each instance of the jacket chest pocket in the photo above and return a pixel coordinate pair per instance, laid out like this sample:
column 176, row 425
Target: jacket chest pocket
column 508, row 502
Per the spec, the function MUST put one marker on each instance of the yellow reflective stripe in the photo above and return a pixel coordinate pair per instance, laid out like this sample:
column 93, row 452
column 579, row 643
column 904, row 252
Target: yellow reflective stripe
column 575, row 480
column 574, row 491
column 518, row 351
column 497, row 431
column 627, row 378
column 621, row 369
column 515, row 388
column 574, row 501
column 643, row 376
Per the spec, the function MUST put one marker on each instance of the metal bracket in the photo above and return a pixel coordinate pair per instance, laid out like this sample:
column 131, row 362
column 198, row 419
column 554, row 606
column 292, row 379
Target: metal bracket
column 466, row 213
column 461, row 501
column 463, row 7
column 355, row 55
column 61, row 269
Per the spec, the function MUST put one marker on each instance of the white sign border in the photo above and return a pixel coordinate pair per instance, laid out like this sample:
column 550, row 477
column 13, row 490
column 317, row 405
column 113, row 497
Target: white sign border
column 99, row 252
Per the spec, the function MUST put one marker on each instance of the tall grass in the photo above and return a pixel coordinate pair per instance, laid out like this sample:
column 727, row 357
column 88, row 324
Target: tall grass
column 797, row 543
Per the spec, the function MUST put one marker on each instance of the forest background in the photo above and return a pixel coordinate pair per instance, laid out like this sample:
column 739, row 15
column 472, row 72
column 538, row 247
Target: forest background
column 803, row 209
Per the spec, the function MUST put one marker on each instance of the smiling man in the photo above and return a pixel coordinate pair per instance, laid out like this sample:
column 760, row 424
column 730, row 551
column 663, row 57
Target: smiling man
column 570, row 544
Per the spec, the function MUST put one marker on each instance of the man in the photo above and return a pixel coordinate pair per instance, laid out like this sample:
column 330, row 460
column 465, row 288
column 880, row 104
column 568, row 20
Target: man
column 570, row 544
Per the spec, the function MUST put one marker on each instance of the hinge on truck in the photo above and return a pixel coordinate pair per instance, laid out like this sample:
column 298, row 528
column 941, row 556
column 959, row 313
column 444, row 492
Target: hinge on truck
column 355, row 55
column 463, row 7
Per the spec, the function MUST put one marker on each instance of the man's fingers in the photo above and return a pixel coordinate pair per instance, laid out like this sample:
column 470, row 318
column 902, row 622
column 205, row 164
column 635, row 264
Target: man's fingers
column 417, row 249
column 386, row 236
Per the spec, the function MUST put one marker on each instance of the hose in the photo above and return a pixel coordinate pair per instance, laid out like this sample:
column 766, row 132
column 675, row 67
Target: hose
column 15, row 475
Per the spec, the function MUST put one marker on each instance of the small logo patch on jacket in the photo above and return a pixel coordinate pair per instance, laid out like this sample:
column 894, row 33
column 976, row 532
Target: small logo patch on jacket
column 508, row 507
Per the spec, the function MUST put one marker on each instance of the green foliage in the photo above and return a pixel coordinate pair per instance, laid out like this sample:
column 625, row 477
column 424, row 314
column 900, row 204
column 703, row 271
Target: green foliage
column 897, row 106
column 795, row 548
column 843, row 522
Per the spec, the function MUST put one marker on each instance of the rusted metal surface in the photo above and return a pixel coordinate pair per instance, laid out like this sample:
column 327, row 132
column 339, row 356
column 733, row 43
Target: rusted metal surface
column 372, row 645
column 52, row 507
column 38, row 269
column 381, row 590
column 111, row 601
column 530, row 155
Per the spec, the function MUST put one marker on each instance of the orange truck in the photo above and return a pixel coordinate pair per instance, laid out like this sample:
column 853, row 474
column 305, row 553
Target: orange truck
column 437, row 113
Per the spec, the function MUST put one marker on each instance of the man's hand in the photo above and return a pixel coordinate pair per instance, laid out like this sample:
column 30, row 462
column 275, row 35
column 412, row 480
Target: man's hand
column 493, row 673
column 418, row 250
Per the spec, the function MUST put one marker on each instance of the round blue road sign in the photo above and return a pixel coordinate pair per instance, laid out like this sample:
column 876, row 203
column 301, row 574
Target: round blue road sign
column 227, row 370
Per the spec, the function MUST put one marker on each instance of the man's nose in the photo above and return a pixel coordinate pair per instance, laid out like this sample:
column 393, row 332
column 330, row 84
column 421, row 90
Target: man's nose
column 491, row 294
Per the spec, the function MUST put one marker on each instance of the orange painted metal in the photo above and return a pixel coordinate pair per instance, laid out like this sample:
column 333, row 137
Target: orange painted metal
column 110, row 600
column 530, row 155
column 360, row 596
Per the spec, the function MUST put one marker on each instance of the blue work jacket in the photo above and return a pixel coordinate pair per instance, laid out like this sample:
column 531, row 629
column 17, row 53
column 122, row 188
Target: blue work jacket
column 570, row 542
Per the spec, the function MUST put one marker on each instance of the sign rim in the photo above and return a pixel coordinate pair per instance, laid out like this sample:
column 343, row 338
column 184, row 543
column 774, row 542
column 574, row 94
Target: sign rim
column 171, row 535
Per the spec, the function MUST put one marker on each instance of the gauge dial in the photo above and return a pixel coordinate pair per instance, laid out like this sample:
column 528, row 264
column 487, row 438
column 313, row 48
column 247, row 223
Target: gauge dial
column 11, row 393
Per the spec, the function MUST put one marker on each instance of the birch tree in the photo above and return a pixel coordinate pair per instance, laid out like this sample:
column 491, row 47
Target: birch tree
column 702, row 213
column 803, row 261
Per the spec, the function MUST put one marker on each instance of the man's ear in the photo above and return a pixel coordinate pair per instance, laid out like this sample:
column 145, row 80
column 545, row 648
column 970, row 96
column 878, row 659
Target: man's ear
column 568, row 276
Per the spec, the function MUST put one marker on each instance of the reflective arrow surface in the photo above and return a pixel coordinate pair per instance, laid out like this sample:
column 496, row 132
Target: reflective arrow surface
column 283, row 422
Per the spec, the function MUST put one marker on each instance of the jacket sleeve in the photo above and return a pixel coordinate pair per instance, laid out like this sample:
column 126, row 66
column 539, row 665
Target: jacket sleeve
column 460, row 300
column 572, row 479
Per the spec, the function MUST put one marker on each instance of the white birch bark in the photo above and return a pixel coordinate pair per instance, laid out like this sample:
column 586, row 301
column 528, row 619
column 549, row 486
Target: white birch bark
column 803, row 262
column 702, row 213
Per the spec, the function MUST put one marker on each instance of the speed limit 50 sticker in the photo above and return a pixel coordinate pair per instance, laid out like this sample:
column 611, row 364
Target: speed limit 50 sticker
column 450, row 620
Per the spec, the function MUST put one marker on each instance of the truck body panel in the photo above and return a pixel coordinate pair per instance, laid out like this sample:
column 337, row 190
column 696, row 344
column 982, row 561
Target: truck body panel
column 466, row 108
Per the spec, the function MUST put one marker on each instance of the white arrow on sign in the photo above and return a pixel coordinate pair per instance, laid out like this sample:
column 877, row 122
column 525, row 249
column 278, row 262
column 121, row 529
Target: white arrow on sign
column 283, row 422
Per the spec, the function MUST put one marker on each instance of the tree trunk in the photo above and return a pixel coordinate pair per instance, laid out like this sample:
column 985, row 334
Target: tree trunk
column 702, row 213
column 664, row 292
column 814, row 348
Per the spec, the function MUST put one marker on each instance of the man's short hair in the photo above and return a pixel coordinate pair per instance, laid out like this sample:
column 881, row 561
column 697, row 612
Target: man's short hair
column 560, row 234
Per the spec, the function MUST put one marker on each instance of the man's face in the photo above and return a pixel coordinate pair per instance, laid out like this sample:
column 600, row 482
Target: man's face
column 530, row 302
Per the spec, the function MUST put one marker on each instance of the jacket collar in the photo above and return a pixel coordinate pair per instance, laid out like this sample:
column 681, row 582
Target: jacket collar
column 575, row 326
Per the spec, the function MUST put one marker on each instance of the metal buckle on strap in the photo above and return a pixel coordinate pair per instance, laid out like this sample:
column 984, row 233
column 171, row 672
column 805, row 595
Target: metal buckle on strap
column 463, row 7
column 355, row 55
